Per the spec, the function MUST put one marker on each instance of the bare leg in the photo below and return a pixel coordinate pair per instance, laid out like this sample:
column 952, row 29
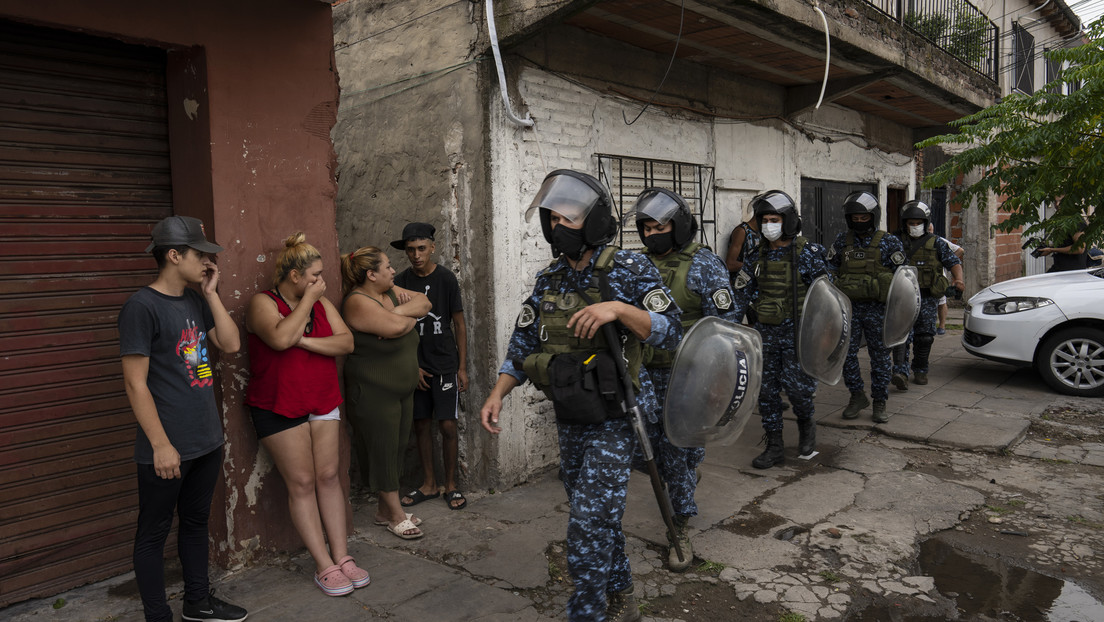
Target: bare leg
column 390, row 510
column 942, row 314
column 291, row 450
column 449, row 450
column 330, row 495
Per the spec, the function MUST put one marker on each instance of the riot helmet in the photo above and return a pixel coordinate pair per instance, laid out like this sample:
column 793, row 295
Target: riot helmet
column 915, row 210
column 777, row 202
column 663, row 206
column 862, row 203
column 578, row 197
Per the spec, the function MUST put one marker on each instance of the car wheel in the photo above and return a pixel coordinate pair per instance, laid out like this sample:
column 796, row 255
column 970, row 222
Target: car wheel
column 1071, row 361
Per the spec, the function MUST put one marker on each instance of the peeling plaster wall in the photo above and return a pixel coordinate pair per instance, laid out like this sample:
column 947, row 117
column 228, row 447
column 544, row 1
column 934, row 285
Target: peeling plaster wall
column 411, row 146
column 272, row 98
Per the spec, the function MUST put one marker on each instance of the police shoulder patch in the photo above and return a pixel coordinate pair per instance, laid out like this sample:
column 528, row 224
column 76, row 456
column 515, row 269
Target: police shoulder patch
column 657, row 300
column 742, row 279
column 898, row 258
column 527, row 316
column 722, row 299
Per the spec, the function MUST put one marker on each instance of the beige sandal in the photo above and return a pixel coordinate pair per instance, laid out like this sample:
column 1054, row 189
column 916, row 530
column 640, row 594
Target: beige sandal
column 402, row 528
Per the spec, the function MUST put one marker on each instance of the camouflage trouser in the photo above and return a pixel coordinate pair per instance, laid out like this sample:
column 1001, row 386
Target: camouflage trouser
column 594, row 464
column 781, row 371
column 867, row 320
column 675, row 464
column 923, row 333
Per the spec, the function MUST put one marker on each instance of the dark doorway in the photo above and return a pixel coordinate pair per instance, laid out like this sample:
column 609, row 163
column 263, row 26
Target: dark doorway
column 822, row 207
column 938, row 207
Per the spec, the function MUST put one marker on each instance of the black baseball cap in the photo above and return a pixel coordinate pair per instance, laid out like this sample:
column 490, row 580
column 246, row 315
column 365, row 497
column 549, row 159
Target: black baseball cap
column 182, row 231
column 414, row 231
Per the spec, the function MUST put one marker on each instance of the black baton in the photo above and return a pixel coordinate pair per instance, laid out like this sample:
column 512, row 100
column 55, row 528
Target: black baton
column 633, row 409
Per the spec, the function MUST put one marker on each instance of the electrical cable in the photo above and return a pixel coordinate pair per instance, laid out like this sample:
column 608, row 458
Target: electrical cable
column 493, row 34
column 827, row 54
column 678, row 39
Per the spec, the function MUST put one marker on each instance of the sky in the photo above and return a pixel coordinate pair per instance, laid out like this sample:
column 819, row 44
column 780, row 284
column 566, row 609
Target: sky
column 1087, row 10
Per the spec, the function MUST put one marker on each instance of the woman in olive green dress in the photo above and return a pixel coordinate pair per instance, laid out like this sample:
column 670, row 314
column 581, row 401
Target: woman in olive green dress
column 381, row 375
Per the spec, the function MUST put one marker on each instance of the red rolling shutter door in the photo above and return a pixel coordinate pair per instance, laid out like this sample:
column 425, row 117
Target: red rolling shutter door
column 84, row 174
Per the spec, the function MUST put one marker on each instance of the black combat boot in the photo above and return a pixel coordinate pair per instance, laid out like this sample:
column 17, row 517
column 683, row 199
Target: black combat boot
column 858, row 402
column 772, row 455
column 880, row 414
column 807, row 443
column 622, row 607
column 683, row 537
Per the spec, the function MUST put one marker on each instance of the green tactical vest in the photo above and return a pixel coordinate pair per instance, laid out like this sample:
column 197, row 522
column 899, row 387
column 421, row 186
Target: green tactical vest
column 776, row 285
column 928, row 267
column 556, row 308
column 674, row 268
column 861, row 274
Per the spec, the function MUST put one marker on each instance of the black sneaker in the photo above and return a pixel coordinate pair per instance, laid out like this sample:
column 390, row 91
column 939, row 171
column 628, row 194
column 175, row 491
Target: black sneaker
column 212, row 609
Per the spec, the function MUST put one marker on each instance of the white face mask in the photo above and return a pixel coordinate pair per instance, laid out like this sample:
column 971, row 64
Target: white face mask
column 916, row 230
column 772, row 230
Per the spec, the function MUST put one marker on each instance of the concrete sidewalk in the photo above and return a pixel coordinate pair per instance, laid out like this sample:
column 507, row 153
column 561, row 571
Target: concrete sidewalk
column 502, row 559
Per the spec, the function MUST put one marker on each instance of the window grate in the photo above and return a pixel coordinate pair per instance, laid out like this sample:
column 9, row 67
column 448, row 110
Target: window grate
column 627, row 177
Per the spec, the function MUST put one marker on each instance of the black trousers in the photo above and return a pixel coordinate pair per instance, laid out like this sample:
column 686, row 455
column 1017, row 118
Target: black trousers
column 190, row 498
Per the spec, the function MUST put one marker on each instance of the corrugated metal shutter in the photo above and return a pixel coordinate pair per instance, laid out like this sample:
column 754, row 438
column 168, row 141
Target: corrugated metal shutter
column 84, row 173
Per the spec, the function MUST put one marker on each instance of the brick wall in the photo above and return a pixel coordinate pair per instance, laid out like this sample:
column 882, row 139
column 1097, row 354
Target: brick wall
column 1009, row 255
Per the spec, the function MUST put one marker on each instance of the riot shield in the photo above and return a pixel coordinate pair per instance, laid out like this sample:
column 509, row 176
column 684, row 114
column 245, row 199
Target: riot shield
column 714, row 383
column 825, row 331
column 902, row 306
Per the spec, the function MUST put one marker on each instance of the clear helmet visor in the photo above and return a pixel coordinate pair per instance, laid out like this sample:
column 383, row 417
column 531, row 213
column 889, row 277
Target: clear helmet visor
column 568, row 196
column 652, row 205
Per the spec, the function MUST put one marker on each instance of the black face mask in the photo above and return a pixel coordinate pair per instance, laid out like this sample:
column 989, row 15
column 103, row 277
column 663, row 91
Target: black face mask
column 660, row 243
column 568, row 241
column 860, row 227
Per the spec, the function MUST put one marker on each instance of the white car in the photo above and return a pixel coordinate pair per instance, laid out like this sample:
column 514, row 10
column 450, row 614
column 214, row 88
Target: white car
column 1054, row 322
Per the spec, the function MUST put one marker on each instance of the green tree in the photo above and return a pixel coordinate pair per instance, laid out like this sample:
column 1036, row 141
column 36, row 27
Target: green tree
column 1046, row 148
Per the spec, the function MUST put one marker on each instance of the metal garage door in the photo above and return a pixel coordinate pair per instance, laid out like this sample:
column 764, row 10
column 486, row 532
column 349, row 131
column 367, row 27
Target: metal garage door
column 84, row 172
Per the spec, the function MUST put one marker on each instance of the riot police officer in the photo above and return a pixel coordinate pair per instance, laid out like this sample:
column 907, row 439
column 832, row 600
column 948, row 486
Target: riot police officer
column 780, row 272
column 930, row 254
column 698, row 280
column 557, row 343
column 864, row 259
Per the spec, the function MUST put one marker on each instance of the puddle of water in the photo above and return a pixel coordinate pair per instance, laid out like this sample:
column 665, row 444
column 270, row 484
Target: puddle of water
column 982, row 585
column 984, row 588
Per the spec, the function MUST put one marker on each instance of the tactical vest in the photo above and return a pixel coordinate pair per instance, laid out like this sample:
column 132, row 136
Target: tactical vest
column 776, row 285
column 556, row 308
column 861, row 274
column 928, row 267
column 675, row 268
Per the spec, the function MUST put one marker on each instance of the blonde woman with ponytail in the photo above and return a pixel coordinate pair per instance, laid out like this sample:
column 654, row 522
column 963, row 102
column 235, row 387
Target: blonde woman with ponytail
column 295, row 333
column 381, row 375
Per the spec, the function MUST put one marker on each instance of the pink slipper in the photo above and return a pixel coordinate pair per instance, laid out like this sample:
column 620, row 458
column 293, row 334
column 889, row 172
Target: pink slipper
column 357, row 575
column 333, row 582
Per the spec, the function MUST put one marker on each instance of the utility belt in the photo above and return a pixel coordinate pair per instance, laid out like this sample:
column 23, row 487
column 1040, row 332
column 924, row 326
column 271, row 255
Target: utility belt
column 583, row 386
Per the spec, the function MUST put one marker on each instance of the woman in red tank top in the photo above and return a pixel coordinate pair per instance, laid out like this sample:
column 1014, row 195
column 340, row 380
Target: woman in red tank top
column 295, row 333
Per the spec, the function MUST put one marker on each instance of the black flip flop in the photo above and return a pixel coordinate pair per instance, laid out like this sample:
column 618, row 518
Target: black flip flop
column 417, row 497
column 453, row 495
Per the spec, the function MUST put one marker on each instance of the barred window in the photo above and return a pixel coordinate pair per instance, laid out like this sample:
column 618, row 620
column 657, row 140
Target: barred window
column 627, row 177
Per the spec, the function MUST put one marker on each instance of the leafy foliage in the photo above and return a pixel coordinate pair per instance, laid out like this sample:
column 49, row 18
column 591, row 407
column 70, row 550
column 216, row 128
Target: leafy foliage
column 1046, row 148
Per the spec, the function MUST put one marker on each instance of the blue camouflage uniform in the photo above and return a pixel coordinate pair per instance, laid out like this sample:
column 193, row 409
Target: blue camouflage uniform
column 747, row 252
column 781, row 369
column 595, row 460
column 868, row 318
column 706, row 279
column 926, row 321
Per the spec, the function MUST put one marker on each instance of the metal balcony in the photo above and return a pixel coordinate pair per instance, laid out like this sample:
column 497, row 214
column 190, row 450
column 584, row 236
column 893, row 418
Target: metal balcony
column 954, row 26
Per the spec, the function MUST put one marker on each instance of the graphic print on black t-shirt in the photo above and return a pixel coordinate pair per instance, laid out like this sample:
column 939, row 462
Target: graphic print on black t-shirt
column 437, row 349
column 192, row 349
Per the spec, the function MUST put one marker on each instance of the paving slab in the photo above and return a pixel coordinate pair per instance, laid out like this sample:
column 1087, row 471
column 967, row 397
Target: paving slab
column 982, row 432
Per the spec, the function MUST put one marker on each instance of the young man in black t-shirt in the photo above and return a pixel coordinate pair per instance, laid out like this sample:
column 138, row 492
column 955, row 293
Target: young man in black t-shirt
column 164, row 332
column 442, row 362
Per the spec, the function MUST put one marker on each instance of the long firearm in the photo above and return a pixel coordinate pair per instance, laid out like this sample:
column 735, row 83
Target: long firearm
column 633, row 410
